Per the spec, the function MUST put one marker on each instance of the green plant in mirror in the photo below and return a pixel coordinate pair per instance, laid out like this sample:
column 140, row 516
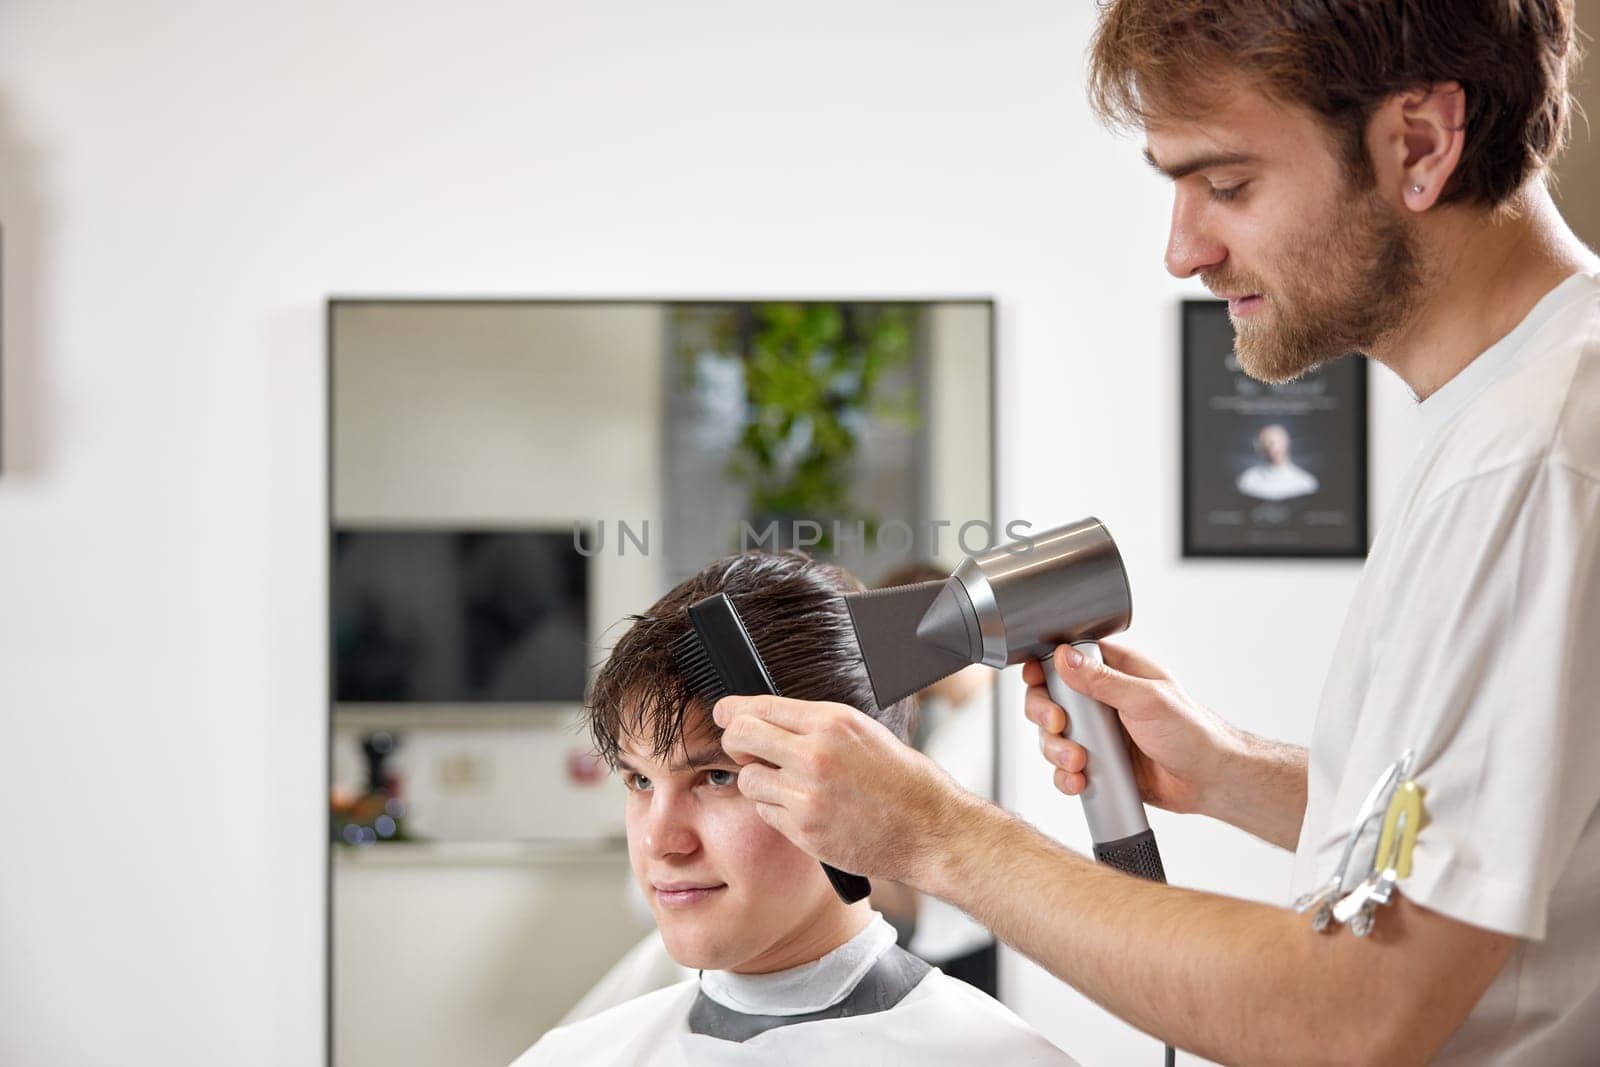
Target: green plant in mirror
column 814, row 374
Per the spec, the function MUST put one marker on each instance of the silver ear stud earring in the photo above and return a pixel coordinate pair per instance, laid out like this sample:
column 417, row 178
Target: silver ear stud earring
column 1416, row 188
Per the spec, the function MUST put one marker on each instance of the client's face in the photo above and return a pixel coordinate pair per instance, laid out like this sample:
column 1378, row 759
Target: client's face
column 728, row 891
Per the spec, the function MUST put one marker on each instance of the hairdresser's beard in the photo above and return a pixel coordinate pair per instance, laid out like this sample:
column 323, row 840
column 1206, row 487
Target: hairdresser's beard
column 1345, row 287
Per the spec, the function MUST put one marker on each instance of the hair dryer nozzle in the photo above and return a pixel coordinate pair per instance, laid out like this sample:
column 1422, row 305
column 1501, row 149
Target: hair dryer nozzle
column 886, row 624
column 951, row 622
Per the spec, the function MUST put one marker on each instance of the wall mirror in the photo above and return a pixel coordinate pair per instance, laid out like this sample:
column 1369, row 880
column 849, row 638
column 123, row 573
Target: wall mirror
column 509, row 480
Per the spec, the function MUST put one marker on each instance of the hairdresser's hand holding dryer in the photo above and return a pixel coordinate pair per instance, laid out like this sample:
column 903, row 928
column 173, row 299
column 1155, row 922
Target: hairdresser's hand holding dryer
column 1387, row 198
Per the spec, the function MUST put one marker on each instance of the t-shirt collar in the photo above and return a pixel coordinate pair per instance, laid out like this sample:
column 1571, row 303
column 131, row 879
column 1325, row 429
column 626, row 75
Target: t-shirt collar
column 1443, row 405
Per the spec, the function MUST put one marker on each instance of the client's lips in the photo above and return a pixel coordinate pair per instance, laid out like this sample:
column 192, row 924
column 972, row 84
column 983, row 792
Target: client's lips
column 685, row 894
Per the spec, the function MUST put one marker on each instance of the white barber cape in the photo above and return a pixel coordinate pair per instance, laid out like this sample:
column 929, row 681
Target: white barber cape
column 940, row 1022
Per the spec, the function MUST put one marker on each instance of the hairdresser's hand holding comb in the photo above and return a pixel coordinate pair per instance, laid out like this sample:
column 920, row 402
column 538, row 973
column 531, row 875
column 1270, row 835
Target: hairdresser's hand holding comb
column 1185, row 757
column 840, row 784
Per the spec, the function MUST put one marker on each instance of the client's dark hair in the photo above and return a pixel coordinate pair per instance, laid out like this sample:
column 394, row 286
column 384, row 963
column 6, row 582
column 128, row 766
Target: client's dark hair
column 791, row 605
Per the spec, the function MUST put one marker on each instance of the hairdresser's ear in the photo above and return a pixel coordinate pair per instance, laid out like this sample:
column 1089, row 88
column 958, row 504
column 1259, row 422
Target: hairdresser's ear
column 1414, row 140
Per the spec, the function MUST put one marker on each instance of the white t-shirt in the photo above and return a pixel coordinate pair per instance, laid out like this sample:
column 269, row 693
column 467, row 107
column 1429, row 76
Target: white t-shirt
column 940, row 1023
column 1474, row 638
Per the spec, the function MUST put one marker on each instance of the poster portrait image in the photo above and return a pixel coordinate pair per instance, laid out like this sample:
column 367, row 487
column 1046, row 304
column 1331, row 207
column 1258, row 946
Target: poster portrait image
column 1269, row 470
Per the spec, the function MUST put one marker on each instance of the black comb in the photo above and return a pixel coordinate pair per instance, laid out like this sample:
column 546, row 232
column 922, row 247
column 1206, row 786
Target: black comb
column 718, row 659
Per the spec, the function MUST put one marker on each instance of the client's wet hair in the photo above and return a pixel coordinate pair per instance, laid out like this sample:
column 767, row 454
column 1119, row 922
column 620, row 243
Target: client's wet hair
column 792, row 607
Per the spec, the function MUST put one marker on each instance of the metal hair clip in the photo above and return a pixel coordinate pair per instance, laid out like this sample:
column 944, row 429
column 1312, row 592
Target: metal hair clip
column 1324, row 903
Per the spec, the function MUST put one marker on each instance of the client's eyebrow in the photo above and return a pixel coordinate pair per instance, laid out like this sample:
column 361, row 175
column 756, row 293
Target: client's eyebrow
column 1199, row 163
column 707, row 756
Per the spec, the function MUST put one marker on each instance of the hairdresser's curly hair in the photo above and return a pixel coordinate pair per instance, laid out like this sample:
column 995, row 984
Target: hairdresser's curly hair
column 793, row 609
column 1341, row 59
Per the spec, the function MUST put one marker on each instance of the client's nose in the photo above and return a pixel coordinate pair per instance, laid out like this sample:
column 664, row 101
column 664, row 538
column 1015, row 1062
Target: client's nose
column 670, row 829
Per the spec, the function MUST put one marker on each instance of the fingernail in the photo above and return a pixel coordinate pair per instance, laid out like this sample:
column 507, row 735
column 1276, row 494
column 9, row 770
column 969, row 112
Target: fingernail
column 1061, row 761
column 717, row 712
column 1074, row 658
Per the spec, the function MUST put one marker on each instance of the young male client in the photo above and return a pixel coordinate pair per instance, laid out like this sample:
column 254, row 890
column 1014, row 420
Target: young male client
column 789, row 974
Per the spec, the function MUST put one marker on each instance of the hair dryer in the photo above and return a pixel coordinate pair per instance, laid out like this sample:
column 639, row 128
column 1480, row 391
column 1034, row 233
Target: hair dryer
column 1011, row 604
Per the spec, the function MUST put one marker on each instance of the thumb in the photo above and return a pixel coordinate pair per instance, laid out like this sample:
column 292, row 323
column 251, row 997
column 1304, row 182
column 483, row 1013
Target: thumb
column 1088, row 675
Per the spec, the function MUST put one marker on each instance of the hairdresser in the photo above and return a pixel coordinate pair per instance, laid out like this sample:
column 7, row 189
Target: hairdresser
column 1351, row 175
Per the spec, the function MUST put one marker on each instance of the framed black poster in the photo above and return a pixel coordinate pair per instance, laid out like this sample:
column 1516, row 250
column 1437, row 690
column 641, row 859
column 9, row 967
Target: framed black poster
column 1269, row 470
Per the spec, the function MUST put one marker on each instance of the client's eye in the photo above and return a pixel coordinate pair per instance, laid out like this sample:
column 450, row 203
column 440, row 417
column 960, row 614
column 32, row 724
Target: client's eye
column 636, row 782
column 722, row 778
column 1225, row 193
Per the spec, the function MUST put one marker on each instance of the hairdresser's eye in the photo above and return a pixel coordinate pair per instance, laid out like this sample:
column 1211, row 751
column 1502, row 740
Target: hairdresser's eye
column 635, row 782
column 1225, row 193
column 722, row 778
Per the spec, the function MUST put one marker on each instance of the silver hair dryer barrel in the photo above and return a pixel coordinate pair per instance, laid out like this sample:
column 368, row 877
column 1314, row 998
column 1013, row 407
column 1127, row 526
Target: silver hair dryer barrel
column 1012, row 604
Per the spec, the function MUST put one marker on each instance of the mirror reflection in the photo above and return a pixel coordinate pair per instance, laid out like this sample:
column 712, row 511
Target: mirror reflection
column 511, row 482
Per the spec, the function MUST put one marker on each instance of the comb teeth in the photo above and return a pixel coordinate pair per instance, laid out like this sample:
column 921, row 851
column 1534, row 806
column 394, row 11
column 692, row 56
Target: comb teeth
column 700, row 675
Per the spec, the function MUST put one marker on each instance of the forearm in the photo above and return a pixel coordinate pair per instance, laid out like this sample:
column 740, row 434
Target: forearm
column 1232, row 980
column 1262, row 788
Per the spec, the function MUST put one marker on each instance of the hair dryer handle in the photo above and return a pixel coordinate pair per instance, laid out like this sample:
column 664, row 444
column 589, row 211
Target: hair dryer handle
column 1111, row 802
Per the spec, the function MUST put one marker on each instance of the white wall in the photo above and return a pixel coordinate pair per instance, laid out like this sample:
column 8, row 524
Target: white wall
column 183, row 185
column 1578, row 190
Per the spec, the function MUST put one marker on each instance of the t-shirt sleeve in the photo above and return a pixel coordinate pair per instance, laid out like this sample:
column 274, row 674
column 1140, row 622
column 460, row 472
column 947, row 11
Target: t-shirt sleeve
column 1490, row 666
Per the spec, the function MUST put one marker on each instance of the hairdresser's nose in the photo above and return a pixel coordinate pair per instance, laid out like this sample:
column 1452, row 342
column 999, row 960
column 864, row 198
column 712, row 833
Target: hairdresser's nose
column 1191, row 247
column 670, row 825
